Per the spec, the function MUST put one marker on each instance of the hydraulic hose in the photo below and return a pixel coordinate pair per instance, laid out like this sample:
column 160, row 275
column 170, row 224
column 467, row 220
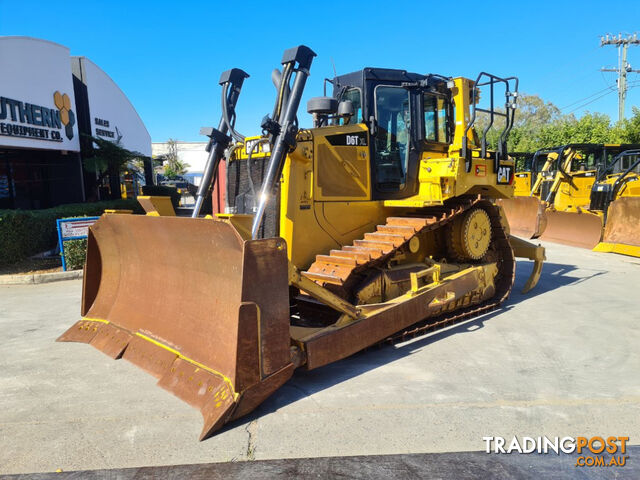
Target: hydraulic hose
column 218, row 138
column 282, row 92
column 238, row 137
column 280, row 150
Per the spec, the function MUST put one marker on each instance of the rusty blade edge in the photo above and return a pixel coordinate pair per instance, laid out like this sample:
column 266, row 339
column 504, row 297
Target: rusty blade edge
column 142, row 336
column 82, row 331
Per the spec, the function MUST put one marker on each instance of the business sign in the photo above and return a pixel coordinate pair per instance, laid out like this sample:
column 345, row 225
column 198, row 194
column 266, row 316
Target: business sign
column 24, row 119
column 104, row 129
column 37, row 101
column 73, row 229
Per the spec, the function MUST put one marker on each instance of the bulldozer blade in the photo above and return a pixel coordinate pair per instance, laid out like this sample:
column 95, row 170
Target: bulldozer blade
column 82, row 331
column 526, row 216
column 192, row 303
column 577, row 229
column 622, row 229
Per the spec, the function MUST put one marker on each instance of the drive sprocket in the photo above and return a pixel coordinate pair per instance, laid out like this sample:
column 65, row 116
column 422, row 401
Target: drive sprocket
column 470, row 235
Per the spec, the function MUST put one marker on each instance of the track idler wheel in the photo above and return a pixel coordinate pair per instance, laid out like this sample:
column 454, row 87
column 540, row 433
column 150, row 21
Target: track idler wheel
column 470, row 235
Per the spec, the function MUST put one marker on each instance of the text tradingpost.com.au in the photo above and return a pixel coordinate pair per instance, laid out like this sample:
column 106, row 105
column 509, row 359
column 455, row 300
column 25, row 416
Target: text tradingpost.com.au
column 596, row 451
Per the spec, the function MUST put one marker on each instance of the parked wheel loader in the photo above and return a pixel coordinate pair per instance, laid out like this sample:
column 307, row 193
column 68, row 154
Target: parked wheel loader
column 378, row 220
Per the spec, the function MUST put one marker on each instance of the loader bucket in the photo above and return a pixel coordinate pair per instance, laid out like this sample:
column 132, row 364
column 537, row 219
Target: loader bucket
column 578, row 229
column 525, row 215
column 190, row 302
column 622, row 230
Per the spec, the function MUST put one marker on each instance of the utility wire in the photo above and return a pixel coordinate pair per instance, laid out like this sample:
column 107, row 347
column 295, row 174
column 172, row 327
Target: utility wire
column 591, row 101
column 630, row 86
column 610, row 87
column 604, row 79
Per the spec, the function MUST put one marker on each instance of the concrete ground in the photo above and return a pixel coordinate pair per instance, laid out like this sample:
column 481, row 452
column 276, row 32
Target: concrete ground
column 563, row 360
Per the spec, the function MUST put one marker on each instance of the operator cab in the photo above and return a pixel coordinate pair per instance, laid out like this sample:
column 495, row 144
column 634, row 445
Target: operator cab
column 405, row 113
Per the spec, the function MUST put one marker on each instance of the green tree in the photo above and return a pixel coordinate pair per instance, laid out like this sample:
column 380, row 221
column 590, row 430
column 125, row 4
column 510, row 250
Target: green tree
column 106, row 158
column 539, row 124
column 590, row 128
column 173, row 166
column 532, row 114
column 629, row 129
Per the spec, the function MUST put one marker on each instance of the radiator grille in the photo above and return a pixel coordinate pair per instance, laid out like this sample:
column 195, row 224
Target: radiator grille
column 241, row 199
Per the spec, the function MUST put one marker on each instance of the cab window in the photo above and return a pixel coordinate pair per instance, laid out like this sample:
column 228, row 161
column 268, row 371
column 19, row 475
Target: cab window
column 392, row 138
column 584, row 161
column 435, row 118
column 627, row 161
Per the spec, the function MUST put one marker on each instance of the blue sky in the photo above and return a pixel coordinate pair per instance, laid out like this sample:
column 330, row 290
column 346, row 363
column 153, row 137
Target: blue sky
column 168, row 56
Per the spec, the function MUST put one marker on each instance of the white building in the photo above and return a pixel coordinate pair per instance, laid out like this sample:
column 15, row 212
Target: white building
column 112, row 115
column 48, row 100
column 191, row 153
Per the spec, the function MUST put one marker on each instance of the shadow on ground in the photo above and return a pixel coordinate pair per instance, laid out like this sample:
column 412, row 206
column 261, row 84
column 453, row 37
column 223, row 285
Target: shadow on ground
column 306, row 383
column 554, row 275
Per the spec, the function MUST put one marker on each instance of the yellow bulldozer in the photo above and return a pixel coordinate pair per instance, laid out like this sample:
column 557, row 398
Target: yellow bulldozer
column 523, row 178
column 615, row 198
column 558, row 207
column 378, row 220
column 524, row 210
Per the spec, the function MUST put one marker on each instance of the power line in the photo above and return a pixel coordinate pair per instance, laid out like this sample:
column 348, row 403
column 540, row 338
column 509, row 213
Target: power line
column 591, row 101
column 610, row 87
column 631, row 86
column 604, row 80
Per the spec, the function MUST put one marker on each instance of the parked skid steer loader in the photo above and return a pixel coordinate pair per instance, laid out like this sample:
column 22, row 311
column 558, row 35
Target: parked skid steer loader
column 377, row 221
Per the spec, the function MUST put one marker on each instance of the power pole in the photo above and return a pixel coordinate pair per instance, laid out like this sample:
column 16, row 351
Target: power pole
column 623, row 66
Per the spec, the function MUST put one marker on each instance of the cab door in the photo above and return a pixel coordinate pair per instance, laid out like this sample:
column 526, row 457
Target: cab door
column 394, row 151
